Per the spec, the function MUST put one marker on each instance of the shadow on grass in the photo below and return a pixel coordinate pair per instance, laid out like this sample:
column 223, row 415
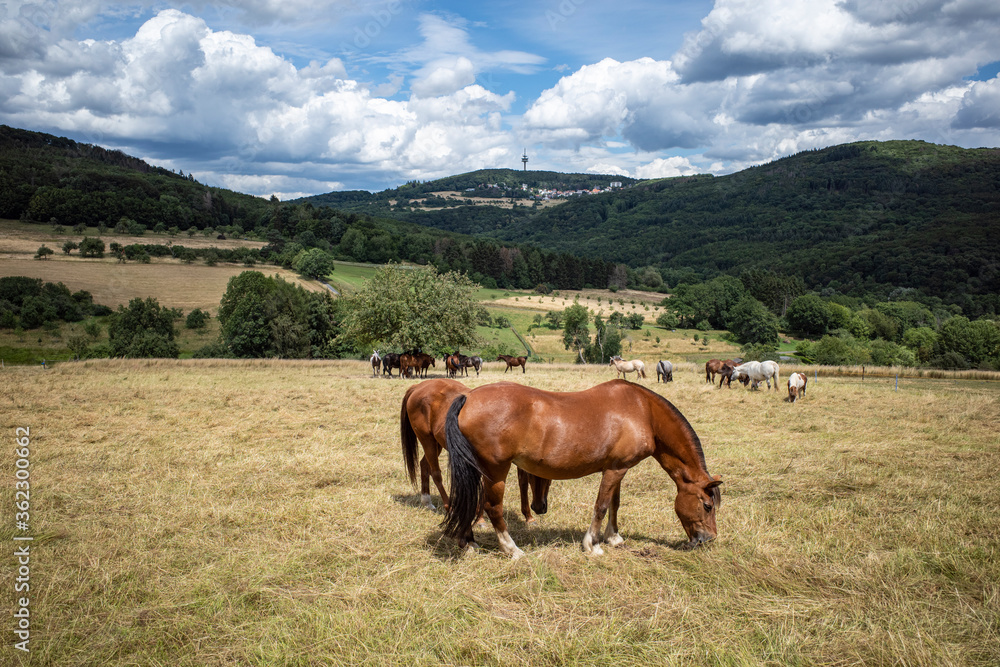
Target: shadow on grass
column 532, row 535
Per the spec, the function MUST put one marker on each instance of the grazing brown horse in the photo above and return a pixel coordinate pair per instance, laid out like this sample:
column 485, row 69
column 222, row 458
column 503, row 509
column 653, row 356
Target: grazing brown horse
column 712, row 366
column 607, row 429
column 407, row 364
column 421, row 420
column 513, row 361
column 726, row 372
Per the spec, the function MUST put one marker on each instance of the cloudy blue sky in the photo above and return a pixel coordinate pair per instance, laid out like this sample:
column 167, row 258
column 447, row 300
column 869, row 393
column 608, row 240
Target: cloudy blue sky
column 296, row 97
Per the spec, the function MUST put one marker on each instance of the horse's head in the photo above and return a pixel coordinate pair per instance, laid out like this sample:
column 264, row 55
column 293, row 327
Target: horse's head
column 540, row 495
column 696, row 505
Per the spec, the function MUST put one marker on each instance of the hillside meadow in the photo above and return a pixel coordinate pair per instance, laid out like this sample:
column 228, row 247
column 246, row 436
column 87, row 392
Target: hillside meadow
column 257, row 513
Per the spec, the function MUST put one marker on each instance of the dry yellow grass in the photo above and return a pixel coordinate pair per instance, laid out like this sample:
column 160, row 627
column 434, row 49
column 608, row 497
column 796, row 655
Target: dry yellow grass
column 216, row 513
column 174, row 284
column 18, row 239
column 603, row 302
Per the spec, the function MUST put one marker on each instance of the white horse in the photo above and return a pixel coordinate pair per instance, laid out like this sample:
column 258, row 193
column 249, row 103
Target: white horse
column 376, row 361
column 665, row 369
column 757, row 371
column 625, row 367
column 796, row 386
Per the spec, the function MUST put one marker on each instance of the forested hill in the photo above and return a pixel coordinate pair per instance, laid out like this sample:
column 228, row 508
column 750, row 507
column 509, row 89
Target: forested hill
column 861, row 218
column 44, row 177
column 54, row 180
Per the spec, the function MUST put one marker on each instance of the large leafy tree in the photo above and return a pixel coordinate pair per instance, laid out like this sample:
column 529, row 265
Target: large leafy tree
column 314, row 263
column 752, row 323
column 809, row 315
column 142, row 329
column 262, row 316
column 405, row 308
column 978, row 341
column 576, row 333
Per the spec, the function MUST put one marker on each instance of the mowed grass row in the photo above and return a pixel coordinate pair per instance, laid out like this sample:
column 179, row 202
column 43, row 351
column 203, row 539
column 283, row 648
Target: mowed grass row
column 215, row 513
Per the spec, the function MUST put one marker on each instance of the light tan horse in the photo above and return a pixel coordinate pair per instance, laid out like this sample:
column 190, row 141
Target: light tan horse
column 625, row 367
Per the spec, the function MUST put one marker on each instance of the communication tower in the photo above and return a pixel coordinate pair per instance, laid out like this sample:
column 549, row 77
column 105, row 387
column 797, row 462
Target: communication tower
column 524, row 159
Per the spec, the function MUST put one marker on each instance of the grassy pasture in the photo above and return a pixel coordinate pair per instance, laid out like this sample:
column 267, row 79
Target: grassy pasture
column 216, row 513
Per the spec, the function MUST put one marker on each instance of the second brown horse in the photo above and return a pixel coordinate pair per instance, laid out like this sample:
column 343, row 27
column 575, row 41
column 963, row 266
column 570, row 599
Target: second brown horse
column 421, row 420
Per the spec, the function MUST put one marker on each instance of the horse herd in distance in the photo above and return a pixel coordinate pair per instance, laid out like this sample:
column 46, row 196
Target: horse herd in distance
column 414, row 363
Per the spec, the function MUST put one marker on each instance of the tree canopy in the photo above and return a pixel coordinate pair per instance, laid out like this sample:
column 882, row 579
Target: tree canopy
column 265, row 316
column 407, row 308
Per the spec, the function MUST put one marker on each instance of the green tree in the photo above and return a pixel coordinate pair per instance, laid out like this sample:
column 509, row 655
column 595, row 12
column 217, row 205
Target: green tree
column 91, row 247
column 197, row 319
column 43, row 252
column 887, row 353
column 406, row 308
column 837, row 350
column 607, row 342
column 142, row 329
column 752, row 323
column 576, row 334
column 808, row 315
column 93, row 329
column 978, row 341
column 313, row 263
column 69, row 247
column 667, row 320
column 261, row 316
column 881, row 325
column 922, row 341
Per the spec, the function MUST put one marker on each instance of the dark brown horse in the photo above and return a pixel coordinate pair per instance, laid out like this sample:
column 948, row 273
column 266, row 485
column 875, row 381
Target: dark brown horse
column 607, row 429
column 421, row 420
column 389, row 361
column 425, row 361
column 513, row 361
column 726, row 372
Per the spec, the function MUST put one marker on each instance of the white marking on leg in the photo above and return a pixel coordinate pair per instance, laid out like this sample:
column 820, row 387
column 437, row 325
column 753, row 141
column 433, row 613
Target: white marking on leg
column 507, row 545
column 425, row 500
column 590, row 547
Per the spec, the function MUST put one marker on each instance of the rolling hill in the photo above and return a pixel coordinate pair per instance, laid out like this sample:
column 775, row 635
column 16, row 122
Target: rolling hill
column 862, row 218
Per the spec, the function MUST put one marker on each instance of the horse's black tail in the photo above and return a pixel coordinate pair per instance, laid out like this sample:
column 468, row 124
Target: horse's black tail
column 466, row 477
column 409, row 440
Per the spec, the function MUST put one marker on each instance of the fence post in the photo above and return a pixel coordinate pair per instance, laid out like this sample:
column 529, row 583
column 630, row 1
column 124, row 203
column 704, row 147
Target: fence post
column 897, row 381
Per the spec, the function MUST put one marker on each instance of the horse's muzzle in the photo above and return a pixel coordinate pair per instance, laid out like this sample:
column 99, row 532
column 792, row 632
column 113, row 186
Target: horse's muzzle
column 697, row 540
column 539, row 507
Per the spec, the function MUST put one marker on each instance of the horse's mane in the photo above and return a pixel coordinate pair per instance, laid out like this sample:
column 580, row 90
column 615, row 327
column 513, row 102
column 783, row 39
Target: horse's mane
column 683, row 420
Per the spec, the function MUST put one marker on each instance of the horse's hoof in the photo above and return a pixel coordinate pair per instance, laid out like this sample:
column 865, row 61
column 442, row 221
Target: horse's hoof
column 529, row 519
column 616, row 541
